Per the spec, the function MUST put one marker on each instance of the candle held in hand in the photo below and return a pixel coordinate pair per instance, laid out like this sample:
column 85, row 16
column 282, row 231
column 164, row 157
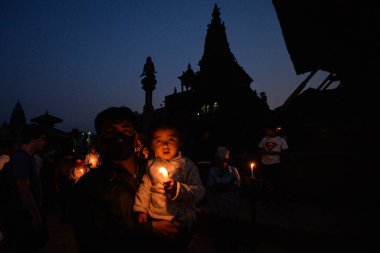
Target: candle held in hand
column 252, row 165
column 164, row 172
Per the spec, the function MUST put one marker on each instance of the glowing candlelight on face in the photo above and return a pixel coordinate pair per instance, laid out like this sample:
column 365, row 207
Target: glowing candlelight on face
column 164, row 172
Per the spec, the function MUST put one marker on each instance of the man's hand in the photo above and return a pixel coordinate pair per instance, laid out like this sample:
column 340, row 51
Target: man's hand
column 170, row 188
column 142, row 217
column 166, row 229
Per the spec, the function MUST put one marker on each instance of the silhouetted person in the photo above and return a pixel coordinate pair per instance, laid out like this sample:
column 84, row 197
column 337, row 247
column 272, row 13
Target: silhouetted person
column 5, row 156
column 271, row 148
column 142, row 149
column 202, row 153
column 103, row 218
column 78, row 170
column 5, row 153
column 92, row 158
column 146, row 153
column 224, row 201
column 25, row 226
column 64, row 185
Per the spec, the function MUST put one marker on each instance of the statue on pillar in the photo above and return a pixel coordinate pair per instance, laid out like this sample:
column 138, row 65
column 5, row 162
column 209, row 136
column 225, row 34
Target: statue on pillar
column 149, row 70
column 148, row 84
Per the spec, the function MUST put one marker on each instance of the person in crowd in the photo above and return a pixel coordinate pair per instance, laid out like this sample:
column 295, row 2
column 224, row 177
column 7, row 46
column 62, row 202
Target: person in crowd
column 5, row 154
column 147, row 153
column 65, row 163
column 202, row 152
column 102, row 200
column 92, row 158
column 142, row 149
column 271, row 147
column 25, row 220
column 171, row 187
column 224, row 201
column 78, row 170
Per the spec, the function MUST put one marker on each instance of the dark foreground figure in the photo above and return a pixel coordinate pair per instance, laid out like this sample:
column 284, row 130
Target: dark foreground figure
column 102, row 199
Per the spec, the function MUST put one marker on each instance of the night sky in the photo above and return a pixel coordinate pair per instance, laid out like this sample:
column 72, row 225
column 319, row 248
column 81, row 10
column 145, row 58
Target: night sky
column 74, row 58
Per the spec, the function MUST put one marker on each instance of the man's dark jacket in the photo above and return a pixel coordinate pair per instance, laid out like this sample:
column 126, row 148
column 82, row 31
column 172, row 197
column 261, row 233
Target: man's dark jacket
column 102, row 213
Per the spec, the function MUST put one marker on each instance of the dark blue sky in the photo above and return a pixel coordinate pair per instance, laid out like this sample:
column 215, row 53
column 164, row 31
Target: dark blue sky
column 74, row 58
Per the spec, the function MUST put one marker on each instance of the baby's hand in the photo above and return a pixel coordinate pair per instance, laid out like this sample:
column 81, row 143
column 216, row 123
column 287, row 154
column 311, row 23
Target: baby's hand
column 142, row 217
column 170, row 187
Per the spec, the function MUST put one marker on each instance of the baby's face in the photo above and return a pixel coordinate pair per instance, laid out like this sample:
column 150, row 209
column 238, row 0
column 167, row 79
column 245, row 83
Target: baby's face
column 165, row 143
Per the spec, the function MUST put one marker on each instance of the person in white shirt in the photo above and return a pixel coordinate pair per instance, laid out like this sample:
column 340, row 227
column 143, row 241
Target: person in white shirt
column 271, row 148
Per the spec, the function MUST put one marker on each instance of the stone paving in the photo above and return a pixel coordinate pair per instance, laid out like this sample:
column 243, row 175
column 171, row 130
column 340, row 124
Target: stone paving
column 299, row 227
column 303, row 225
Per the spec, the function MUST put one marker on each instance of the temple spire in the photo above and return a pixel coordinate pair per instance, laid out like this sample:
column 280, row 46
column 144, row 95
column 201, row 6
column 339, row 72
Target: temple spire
column 216, row 15
column 17, row 122
column 216, row 47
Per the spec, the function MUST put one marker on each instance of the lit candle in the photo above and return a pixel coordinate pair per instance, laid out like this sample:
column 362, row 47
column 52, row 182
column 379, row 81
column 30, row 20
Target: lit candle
column 252, row 165
column 164, row 172
column 78, row 172
column 93, row 163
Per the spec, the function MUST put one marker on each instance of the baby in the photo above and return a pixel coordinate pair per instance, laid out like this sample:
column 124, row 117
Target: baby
column 171, row 186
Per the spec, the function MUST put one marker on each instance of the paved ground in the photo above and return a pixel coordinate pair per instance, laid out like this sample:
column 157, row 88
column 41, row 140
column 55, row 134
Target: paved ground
column 300, row 227
column 333, row 206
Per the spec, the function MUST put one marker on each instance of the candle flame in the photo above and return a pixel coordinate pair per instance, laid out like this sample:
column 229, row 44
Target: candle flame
column 252, row 165
column 164, row 172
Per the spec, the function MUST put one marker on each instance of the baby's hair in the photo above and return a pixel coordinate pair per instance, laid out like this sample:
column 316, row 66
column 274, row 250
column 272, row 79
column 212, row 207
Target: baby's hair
column 165, row 124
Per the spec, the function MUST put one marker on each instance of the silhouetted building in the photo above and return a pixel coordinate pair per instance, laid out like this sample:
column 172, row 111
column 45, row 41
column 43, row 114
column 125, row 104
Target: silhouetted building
column 341, row 38
column 46, row 120
column 218, row 96
column 17, row 122
column 55, row 136
column 12, row 131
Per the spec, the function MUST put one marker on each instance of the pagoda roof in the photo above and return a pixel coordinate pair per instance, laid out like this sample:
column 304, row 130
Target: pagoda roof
column 46, row 118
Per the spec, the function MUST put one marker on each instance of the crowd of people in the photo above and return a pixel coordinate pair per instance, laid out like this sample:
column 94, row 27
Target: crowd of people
column 131, row 190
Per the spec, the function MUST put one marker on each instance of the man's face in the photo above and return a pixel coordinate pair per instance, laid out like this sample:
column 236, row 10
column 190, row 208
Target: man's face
column 40, row 142
column 112, row 128
column 221, row 162
column 117, row 140
column 270, row 132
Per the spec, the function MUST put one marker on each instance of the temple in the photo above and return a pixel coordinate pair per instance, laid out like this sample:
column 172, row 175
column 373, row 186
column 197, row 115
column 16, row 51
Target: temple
column 218, row 96
column 12, row 131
